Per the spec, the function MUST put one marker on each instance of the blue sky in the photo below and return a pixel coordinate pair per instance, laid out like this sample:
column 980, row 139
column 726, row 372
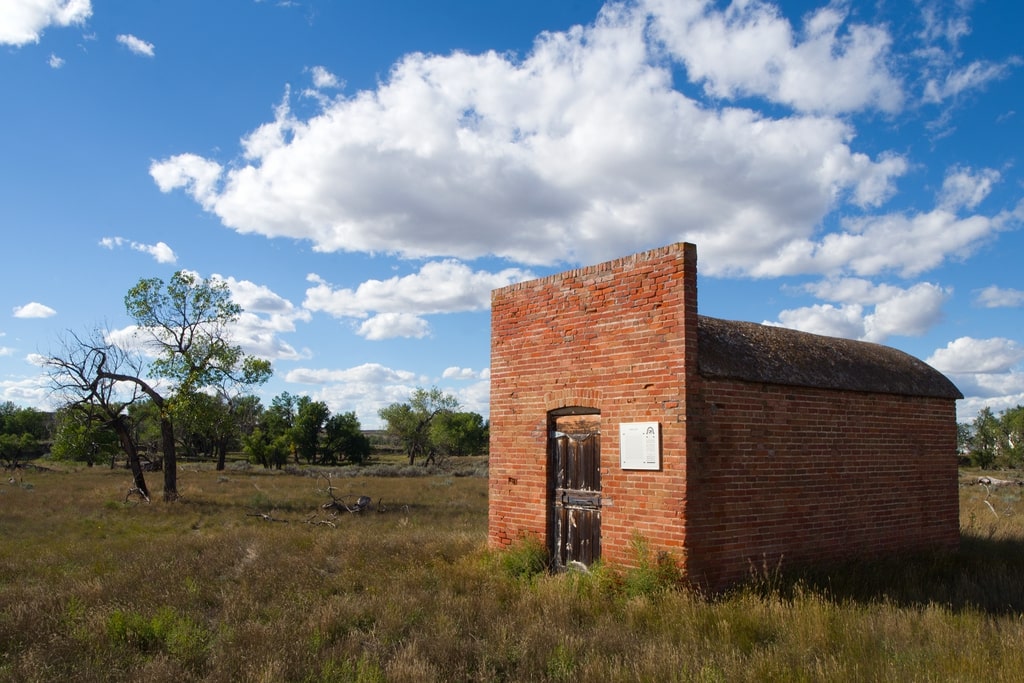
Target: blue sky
column 362, row 175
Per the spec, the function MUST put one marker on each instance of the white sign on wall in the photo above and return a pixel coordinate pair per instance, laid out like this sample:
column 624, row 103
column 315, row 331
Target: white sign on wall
column 640, row 446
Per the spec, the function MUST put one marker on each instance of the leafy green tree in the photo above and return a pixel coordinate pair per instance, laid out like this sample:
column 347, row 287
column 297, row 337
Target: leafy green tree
column 209, row 425
column 984, row 441
column 344, row 440
column 310, row 417
column 197, row 420
column 144, row 420
column 279, row 418
column 963, row 439
column 996, row 440
column 186, row 323
column 459, row 433
column 410, row 423
column 269, row 441
column 15, row 447
column 21, row 432
column 244, row 411
column 247, row 409
column 263, row 448
column 185, row 326
column 83, row 436
column 17, row 420
column 1011, row 423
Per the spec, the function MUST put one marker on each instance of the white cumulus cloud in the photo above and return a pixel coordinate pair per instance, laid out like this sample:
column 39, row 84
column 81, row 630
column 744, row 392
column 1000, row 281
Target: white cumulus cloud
column 472, row 155
column 866, row 311
column 30, row 391
column 748, row 48
column 965, row 188
column 197, row 175
column 136, row 45
column 845, row 321
column 438, row 287
column 391, row 325
column 322, row 78
column 907, row 244
column 989, row 372
column 969, row 355
column 160, row 251
column 456, row 372
column 583, row 149
column 34, row 309
column 266, row 316
column 23, row 21
column 974, row 76
column 999, row 297
column 367, row 388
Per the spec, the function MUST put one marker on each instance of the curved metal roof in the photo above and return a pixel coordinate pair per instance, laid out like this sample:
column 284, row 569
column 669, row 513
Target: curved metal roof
column 776, row 355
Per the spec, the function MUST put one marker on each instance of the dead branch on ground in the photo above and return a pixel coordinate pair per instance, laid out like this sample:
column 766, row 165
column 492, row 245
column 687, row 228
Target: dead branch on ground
column 992, row 481
column 266, row 516
column 136, row 491
column 320, row 522
column 337, row 504
column 989, row 483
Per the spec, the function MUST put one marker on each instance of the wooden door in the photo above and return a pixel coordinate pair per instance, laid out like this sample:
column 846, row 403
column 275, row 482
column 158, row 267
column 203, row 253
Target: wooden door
column 575, row 483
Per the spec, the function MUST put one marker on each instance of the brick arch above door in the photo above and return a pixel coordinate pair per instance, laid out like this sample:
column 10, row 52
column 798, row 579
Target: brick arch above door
column 566, row 398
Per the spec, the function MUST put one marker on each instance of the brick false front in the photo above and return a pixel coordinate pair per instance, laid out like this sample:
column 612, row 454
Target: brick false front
column 751, row 472
column 612, row 337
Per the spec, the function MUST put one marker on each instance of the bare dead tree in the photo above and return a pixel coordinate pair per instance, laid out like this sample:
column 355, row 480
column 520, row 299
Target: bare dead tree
column 85, row 373
column 140, row 386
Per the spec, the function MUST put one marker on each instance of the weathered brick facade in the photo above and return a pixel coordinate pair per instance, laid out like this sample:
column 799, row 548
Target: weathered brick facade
column 760, row 464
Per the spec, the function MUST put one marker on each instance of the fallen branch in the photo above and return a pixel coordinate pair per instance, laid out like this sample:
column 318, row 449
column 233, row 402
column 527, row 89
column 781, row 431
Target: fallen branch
column 320, row 522
column 136, row 491
column 988, row 483
column 266, row 516
column 992, row 481
column 337, row 504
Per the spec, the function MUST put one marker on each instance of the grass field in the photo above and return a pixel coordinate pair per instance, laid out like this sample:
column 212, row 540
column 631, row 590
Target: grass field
column 96, row 589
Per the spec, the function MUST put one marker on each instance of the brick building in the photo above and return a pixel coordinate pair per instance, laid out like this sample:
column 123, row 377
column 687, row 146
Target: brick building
column 617, row 412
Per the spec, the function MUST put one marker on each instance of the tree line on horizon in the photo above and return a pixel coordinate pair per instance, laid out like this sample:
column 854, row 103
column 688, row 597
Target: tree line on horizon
column 296, row 428
column 292, row 429
column 182, row 386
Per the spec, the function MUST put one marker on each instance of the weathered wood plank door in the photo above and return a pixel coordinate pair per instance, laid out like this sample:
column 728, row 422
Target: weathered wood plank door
column 575, row 467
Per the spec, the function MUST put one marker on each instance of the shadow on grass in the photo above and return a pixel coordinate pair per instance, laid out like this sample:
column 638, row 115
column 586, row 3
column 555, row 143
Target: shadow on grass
column 984, row 575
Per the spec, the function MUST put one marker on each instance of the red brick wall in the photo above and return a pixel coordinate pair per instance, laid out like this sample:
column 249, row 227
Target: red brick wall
column 612, row 337
column 794, row 476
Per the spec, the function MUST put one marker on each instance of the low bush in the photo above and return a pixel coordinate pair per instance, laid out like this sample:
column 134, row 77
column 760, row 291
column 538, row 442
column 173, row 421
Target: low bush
column 526, row 559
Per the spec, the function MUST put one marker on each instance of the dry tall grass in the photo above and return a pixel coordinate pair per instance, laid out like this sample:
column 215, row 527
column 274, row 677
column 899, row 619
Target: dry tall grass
column 94, row 589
